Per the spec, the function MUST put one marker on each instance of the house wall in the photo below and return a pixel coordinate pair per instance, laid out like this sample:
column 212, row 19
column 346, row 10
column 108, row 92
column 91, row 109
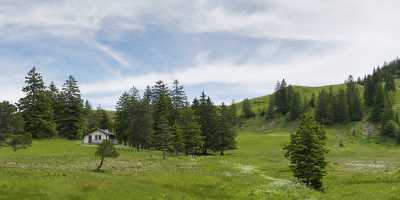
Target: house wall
column 94, row 134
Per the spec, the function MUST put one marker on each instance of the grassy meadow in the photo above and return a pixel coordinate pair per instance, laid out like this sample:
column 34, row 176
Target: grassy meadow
column 61, row 169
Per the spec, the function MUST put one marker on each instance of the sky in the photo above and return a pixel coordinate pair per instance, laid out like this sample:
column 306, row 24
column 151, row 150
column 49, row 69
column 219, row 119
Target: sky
column 231, row 49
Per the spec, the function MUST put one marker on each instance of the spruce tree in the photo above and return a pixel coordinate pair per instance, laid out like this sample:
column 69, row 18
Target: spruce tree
column 247, row 110
column 192, row 137
column 354, row 101
column 271, row 108
column 390, row 84
column 341, row 107
column 207, row 114
column 324, row 113
column 281, row 98
column 225, row 134
column 70, row 122
column 36, row 107
column 295, row 106
column 379, row 103
column 306, row 152
column 177, row 141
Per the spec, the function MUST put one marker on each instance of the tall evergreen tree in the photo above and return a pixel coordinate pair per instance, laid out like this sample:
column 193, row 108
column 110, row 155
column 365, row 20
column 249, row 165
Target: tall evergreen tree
column 281, row 98
column 192, row 138
column 354, row 101
column 271, row 108
column 207, row 114
column 36, row 107
column 70, row 123
column 341, row 107
column 225, row 134
column 247, row 110
column 324, row 110
column 390, row 84
column 306, row 152
column 379, row 103
column 295, row 105
column 369, row 91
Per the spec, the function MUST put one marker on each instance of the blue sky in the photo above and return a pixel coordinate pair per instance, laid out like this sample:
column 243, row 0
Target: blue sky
column 229, row 49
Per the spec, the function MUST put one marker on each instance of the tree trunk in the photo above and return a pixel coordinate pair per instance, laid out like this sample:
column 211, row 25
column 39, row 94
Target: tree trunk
column 101, row 163
column 221, row 152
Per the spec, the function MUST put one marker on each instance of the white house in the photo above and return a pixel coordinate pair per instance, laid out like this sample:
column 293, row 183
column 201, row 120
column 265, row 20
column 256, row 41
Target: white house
column 98, row 135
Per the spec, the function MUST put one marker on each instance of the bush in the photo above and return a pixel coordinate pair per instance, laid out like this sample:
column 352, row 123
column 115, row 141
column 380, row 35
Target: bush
column 390, row 129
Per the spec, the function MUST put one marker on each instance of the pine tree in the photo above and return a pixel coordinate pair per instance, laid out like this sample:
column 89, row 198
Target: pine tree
column 306, row 152
column 36, row 107
column 281, row 98
column 247, row 111
column 341, row 107
column 312, row 101
column 105, row 122
column 70, row 122
column 324, row 113
column 191, row 131
column 207, row 114
column 379, row 103
column 390, row 84
column 12, row 127
column 295, row 106
column 354, row 101
column 369, row 91
column 178, row 96
column 225, row 134
column 163, row 136
column 177, row 143
column 271, row 108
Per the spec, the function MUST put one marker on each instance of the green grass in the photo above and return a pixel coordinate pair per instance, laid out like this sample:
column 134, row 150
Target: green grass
column 61, row 169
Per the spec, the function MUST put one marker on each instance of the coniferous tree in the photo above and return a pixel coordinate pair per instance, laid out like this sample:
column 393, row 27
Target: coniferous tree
column 306, row 152
column 281, row 98
column 104, row 122
column 162, row 117
column 379, row 103
column 324, row 110
column 225, row 134
column 271, row 108
column 390, row 84
column 247, row 110
column 312, row 101
column 295, row 106
column 177, row 141
column 87, row 114
column 369, row 91
column 163, row 137
column 207, row 114
column 36, row 107
column 71, row 116
column 192, row 137
column 354, row 101
column 341, row 107
column 122, row 117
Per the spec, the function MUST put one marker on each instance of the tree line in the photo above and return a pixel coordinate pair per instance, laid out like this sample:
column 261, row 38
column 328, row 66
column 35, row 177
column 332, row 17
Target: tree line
column 46, row 112
column 163, row 119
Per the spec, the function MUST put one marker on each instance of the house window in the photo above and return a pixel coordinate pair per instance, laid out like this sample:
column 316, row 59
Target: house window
column 99, row 137
column 96, row 137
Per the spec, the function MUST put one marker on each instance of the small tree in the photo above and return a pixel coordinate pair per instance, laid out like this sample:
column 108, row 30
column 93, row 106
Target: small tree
column 306, row 152
column 105, row 150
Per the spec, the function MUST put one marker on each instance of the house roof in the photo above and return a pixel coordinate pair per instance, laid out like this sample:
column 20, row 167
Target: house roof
column 104, row 131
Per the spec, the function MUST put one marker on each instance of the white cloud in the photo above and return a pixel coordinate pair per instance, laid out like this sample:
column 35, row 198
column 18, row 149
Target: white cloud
column 360, row 34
